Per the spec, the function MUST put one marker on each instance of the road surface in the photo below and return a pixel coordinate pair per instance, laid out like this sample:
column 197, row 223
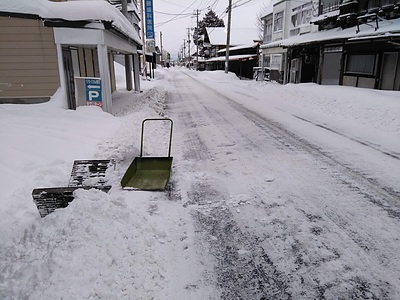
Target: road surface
column 277, row 216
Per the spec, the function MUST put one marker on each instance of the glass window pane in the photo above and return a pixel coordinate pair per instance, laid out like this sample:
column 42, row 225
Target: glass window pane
column 361, row 64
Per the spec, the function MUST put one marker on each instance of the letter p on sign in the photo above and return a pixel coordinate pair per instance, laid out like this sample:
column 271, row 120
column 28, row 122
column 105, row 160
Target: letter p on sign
column 93, row 95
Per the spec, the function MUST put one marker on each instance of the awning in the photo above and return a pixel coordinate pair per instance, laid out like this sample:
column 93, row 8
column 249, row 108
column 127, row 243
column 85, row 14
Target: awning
column 274, row 50
column 386, row 27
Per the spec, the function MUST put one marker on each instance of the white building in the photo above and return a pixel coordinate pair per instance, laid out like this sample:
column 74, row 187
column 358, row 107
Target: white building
column 282, row 20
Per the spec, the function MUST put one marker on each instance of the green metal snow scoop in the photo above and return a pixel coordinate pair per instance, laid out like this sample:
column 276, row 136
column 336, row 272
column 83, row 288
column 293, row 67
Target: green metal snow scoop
column 149, row 173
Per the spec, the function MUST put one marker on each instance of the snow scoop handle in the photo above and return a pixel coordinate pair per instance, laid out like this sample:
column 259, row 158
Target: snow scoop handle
column 170, row 133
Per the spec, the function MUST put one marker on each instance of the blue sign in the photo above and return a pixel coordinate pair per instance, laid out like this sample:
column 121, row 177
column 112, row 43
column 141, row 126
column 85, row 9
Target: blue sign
column 149, row 19
column 93, row 92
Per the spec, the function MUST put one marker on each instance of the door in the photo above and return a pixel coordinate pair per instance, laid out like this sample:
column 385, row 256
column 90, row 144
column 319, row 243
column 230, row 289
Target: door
column 390, row 75
column 331, row 68
column 295, row 70
column 69, row 77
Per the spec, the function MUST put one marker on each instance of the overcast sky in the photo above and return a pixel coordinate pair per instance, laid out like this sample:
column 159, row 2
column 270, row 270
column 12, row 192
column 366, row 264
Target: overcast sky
column 173, row 17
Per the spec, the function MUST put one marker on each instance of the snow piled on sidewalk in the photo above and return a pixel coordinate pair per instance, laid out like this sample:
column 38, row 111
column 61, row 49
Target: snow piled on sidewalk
column 121, row 245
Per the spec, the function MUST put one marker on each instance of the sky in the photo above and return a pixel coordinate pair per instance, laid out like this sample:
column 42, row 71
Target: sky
column 173, row 17
column 144, row 245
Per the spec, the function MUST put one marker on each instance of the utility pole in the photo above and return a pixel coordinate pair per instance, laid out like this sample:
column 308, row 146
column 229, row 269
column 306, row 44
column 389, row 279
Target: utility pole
column 197, row 42
column 161, row 48
column 188, row 29
column 228, row 36
column 184, row 49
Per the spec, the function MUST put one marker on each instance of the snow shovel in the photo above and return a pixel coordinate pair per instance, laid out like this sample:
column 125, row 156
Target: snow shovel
column 86, row 174
column 149, row 173
column 48, row 200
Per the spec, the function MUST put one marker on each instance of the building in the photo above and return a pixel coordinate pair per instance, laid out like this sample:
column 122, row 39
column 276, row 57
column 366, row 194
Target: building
column 242, row 60
column 283, row 20
column 47, row 45
column 243, row 50
column 358, row 44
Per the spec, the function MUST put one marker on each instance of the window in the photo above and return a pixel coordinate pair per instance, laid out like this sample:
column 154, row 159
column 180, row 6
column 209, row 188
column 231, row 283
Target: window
column 268, row 31
column 278, row 21
column 330, row 5
column 302, row 14
column 361, row 64
column 276, row 60
column 267, row 61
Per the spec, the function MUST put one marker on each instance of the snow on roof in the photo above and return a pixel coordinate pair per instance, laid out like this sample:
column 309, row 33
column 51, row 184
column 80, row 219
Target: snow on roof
column 324, row 16
column 233, row 57
column 73, row 11
column 239, row 36
column 239, row 47
column 386, row 27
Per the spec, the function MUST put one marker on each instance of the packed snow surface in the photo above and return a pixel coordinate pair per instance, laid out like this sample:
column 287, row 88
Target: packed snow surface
column 146, row 245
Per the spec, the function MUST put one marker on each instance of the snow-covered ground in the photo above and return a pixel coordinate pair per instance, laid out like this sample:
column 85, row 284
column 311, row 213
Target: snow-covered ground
column 130, row 244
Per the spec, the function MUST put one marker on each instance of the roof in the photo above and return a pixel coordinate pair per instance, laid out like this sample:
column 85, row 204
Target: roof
column 254, row 45
column 325, row 16
column 386, row 28
column 243, row 57
column 239, row 36
column 92, row 11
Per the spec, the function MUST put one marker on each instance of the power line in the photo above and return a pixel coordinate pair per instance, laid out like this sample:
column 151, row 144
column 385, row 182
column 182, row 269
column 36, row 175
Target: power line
column 177, row 16
column 172, row 3
column 171, row 14
column 236, row 5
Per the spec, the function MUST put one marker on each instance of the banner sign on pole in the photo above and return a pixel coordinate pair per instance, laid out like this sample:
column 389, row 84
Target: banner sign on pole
column 149, row 19
column 151, row 46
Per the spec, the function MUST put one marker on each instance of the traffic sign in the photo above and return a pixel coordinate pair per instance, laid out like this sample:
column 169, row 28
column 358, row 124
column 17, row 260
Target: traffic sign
column 93, row 92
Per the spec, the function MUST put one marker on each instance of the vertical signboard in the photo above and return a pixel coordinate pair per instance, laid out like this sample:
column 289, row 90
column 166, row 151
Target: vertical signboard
column 149, row 19
column 93, row 92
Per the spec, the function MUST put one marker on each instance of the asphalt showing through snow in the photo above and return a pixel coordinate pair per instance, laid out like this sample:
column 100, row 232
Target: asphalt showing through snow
column 279, row 217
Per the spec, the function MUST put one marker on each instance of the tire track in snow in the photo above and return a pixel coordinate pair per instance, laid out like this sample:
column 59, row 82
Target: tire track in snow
column 355, row 181
column 204, row 194
column 243, row 270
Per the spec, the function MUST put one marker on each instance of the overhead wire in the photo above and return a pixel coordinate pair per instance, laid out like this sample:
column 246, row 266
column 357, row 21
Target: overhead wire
column 172, row 3
column 207, row 4
column 177, row 16
column 171, row 14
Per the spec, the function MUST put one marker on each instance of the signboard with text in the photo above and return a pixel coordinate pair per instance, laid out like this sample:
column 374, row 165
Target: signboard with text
column 93, row 92
column 149, row 18
column 150, row 46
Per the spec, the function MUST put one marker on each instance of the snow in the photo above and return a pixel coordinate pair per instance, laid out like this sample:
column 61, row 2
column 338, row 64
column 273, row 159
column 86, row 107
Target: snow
column 254, row 45
column 366, row 30
column 233, row 57
column 131, row 244
column 94, row 11
column 324, row 16
column 239, row 36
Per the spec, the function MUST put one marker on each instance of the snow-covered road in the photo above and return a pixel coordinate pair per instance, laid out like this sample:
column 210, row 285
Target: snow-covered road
column 280, row 216
column 276, row 192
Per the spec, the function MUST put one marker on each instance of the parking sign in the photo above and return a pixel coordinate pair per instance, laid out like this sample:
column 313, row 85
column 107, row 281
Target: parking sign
column 93, row 92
